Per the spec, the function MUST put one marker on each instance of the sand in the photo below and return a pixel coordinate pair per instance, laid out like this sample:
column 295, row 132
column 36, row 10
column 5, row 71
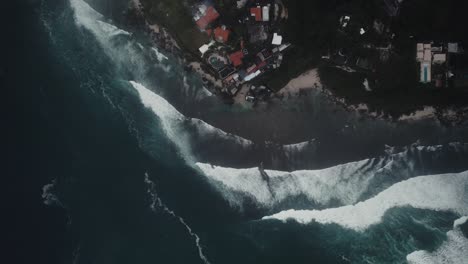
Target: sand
column 308, row 80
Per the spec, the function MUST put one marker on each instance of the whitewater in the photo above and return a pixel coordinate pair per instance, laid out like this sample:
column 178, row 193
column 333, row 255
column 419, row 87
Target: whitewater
column 354, row 195
column 447, row 192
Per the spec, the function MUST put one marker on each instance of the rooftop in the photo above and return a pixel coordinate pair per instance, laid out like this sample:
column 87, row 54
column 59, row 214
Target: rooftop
column 221, row 34
column 210, row 15
column 236, row 58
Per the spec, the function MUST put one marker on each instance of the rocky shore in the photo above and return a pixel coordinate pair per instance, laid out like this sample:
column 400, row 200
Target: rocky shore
column 296, row 87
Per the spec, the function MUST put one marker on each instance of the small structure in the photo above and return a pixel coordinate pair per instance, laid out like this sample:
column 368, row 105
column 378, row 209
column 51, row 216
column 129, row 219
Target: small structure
column 277, row 39
column 424, row 56
column 203, row 49
column 440, row 58
column 344, row 20
column 257, row 13
column 221, row 34
column 207, row 18
column 236, row 58
column 453, row 48
column 266, row 13
column 419, row 52
column 362, row 31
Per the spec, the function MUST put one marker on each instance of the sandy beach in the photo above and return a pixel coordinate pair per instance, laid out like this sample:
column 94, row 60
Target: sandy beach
column 308, row 80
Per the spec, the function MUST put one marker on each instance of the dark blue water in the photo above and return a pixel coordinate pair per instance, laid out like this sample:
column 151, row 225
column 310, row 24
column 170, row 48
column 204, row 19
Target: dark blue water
column 123, row 192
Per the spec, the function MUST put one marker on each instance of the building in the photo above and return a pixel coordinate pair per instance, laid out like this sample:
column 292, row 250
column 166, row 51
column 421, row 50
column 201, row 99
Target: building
column 277, row 39
column 209, row 16
column 203, row 49
column 266, row 13
column 440, row 58
column 257, row 13
column 221, row 34
column 424, row 57
column 236, row 58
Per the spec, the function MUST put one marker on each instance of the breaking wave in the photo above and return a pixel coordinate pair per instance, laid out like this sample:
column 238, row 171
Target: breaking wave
column 176, row 124
column 336, row 186
column 453, row 250
column 445, row 192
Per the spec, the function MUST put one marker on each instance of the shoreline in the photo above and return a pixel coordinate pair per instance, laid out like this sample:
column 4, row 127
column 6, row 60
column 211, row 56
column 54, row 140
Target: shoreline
column 296, row 87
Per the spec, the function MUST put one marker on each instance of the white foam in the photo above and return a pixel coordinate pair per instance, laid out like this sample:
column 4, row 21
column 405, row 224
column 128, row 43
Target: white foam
column 48, row 196
column 447, row 192
column 112, row 30
column 427, row 113
column 453, row 251
column 207, row 129
column 339, row 185
column 161, row 57
column 169, row 117
column 344, row 183
column 297, row 146
column 366, row 85
column 173, row 122
column 85, row 15
column 460, row 221
column 157, row 203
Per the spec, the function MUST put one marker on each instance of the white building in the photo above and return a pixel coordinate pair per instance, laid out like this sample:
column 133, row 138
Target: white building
column 266, row 13
column 440, row 58
column 277, row 39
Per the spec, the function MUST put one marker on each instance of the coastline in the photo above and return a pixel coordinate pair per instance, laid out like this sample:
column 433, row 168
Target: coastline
column 296, row 87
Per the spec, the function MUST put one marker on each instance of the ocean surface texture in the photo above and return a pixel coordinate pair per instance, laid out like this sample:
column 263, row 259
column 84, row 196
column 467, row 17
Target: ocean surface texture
column 122, row 156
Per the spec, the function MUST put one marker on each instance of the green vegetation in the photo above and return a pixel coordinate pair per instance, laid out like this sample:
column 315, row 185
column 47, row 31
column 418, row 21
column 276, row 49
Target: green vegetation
column 176, row 16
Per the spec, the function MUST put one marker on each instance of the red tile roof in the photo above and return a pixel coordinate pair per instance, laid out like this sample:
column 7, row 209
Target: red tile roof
column 236, row 58
column 210, row 15
column 221, row 34
column 257, row 13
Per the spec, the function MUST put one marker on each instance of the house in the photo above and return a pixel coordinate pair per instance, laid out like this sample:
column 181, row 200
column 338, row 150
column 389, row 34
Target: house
column 266, row 13
column 424, row 56
column 203, row 49
column 221, row 34
column 440, row 58
column 236, row 58
column 453, row 48
column 209, row 16
column 257, row 13
column 277, row 39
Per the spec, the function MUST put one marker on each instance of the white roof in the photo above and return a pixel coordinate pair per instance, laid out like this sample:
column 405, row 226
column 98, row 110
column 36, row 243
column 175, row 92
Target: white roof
column 362, row 31
column 427, row 55
column 252, row 75
column 420, row 55
column 420, row 47
column 205, row 47
column 277, row 39
column 266, row 13
column 440, row 58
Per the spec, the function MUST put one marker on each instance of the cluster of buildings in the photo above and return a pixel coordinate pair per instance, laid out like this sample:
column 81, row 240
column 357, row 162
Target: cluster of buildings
column 437, row 63
column 255, row 48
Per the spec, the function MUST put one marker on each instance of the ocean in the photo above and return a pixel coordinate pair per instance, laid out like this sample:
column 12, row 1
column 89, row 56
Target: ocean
column 116, row 154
